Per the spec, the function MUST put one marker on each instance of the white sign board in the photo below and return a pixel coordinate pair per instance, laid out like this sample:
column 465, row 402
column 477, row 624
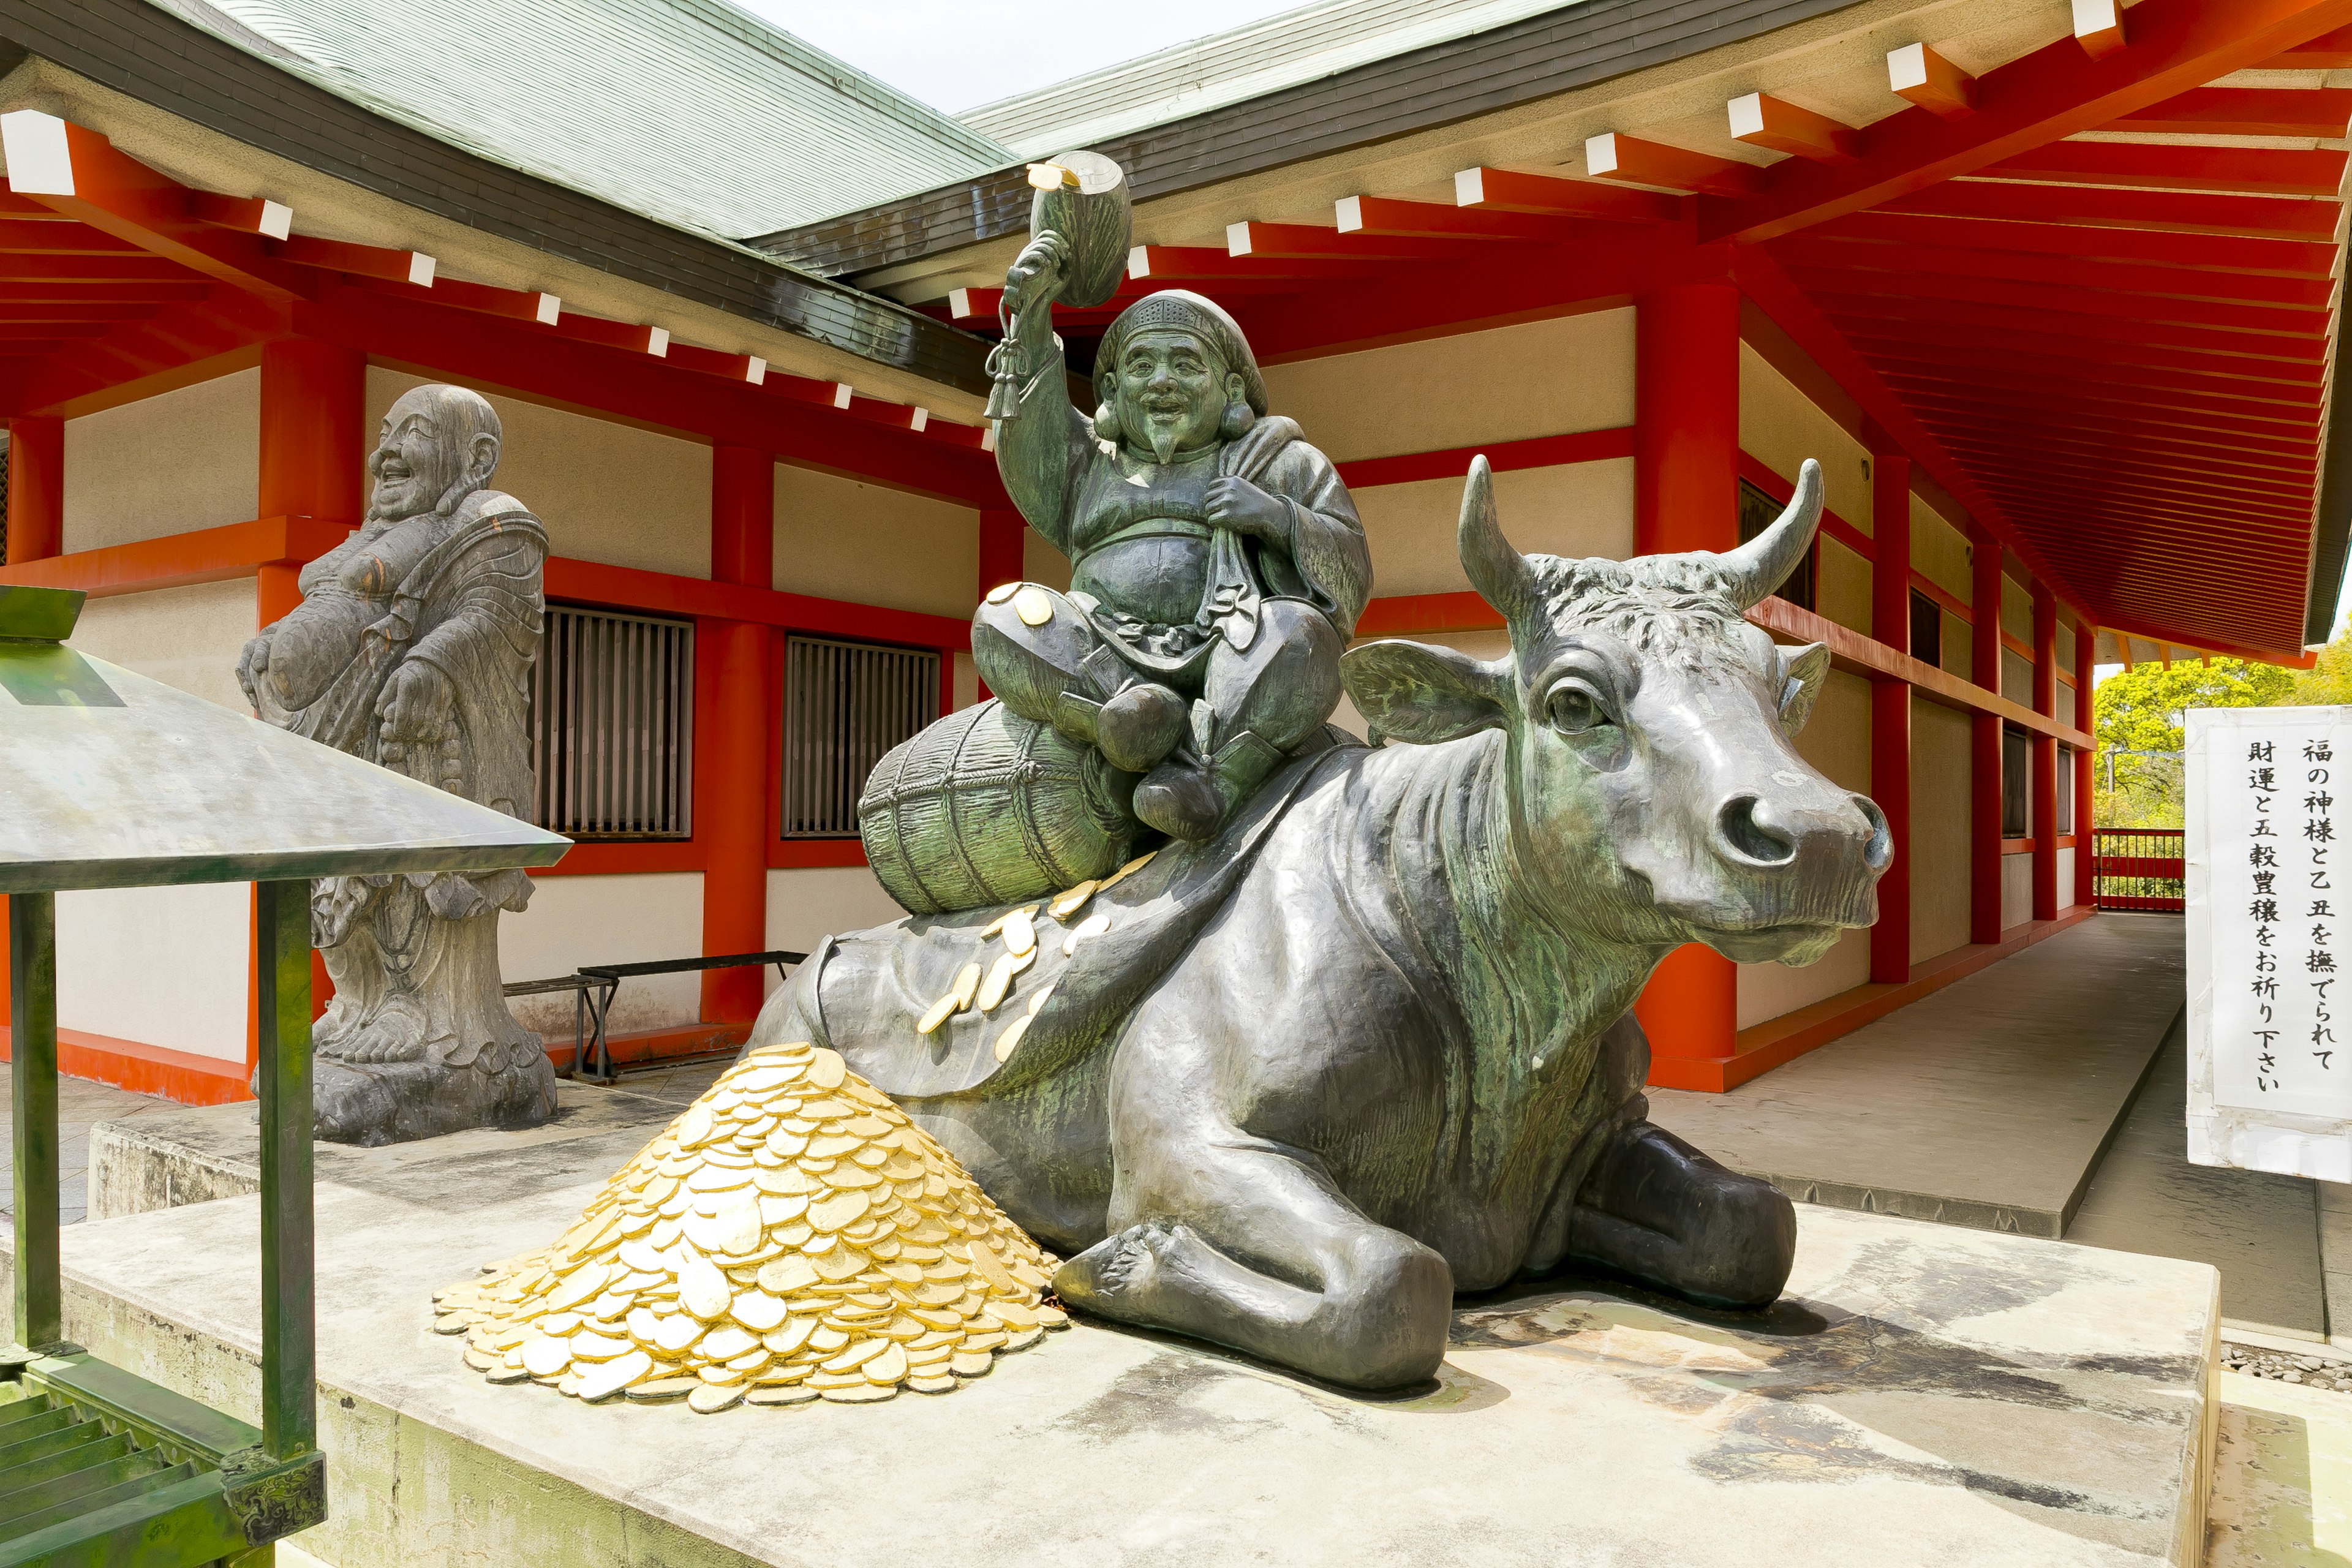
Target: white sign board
column 2270, row 938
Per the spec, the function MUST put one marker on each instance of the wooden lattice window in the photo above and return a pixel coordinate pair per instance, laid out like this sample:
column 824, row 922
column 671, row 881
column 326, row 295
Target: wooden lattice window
column 612, row 725
column 845, row 704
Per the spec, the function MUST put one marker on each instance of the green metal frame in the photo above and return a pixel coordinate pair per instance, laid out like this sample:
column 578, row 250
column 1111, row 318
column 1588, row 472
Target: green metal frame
column 107, row 1469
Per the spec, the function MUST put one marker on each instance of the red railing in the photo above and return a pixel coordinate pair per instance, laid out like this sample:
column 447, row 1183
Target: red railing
column 2137, row 867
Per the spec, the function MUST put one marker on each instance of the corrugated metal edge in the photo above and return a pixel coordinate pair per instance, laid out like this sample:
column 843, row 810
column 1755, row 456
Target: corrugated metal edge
column 1458, row 80
column 159, row 59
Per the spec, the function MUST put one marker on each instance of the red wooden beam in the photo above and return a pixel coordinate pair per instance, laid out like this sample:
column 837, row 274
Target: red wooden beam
column 1507, row 190
column 1386, row 216
column 2271, row 257
column 2061, row 324
column 37, row 236
column 634, row 337
column 1299, row 239
column 2011, row 419
column 2248, row 171
column 1962, row 339
column 246, row 215
column 2320, row 113
column 2027, row 267
column 2265, row 319
column 77, row 172
column 2172, row 212
column 1166, row 264
column 2212, row 414
column 411, row 266
column 1613, row 156
column 1927, row 78
column 124, row 267
column 2163, row 389
column 2099, row 28
column 104, row 292
column 2042, row 96
column 747, row 368
column 2085, row 459
column 514, row 304
column 229, row 320
column 73, row 311
column 2329, row 51
column 1760, row 120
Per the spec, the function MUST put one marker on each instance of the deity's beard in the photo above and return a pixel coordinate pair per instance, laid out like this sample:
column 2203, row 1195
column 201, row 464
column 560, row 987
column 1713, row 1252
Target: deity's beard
column 1163, row 441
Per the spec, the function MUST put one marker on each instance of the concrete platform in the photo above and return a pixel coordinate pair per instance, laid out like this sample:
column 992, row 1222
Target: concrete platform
column 1987, row 1105
column 1925, row 1395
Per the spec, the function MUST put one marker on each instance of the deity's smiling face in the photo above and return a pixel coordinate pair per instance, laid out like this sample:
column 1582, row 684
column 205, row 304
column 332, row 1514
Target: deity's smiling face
column 431, row 447
column 1173, row 389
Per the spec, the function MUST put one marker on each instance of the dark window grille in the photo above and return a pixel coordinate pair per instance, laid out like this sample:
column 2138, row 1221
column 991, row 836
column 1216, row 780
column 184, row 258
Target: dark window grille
column 1757, row 512
column 845, row 704
column 2067, row 763
column 612, row 725
column 1926, row 629
column 2016, row 822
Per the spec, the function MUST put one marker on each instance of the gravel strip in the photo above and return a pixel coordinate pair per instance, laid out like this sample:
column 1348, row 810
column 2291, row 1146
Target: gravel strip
column 2310, row 1371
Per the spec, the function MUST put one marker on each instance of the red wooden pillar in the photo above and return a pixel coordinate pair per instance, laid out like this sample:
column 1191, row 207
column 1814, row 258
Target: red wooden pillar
column 734, row 727
column 2045, row 755
column 312, row 459
column 2086, row 651
column 1687, row 496
column 1984, row 742
column 37, row 489
column 1890, row 710
column 314, row 449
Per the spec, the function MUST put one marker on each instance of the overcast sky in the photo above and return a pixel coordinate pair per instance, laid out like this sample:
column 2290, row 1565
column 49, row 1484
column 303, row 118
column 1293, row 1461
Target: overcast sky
column 959, row 54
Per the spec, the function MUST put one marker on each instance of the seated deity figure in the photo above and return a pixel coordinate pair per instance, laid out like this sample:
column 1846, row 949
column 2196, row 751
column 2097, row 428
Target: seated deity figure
column 412, row 648
column 1217, row 566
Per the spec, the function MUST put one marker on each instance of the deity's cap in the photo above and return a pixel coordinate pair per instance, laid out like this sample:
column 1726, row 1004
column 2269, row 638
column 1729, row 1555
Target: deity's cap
column 1186, row 311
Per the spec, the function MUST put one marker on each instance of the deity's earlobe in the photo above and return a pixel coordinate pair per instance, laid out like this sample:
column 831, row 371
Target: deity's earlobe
column 1238, row 418
column 1106, row 422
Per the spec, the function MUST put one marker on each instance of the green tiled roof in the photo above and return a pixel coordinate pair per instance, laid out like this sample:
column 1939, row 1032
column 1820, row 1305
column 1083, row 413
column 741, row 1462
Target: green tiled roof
column 690, row 111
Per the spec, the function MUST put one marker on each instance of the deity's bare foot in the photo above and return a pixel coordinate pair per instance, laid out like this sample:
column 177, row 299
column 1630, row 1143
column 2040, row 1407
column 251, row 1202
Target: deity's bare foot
column 395, row 1032
column 1182, row 801
column 1137, row 729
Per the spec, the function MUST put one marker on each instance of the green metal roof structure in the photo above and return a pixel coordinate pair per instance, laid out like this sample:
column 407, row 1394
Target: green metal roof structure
column 111, row 780
column 690, row 111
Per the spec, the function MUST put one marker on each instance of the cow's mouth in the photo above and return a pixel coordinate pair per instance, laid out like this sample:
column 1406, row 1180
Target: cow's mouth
column 1795, row 943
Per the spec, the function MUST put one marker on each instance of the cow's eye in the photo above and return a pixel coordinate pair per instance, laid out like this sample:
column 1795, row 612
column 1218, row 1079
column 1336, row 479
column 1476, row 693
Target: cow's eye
column 1574, row 708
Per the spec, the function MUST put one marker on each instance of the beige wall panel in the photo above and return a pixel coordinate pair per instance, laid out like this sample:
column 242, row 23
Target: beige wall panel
column 1957, row 640
column 1940, row 829
column 2065, row 703
column 1545, row 378
column 837, row 539
column 810, row 903
column 2065, row 640
column 1573, row 509
column 168, row 464
column 1836, row 739
column 1040, row 562
column 608, row 492
column 189, row 638
column 161, row 966
column 1780, row 427
column 2016, row 678
column 1843, row 586
column 2016, row 891
column 1939, row 552
column 2065, row 881
column 573, row 921
column 1767, row 991
column 2017, row 609
column 967, row 681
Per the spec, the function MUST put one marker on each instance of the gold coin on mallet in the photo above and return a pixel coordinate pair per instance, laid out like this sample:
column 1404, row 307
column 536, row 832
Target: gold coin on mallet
column 1033, row 606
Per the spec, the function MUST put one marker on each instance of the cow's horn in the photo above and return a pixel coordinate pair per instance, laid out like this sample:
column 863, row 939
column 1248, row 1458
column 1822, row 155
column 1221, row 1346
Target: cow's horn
column 1500, row 574
column 1758, row 567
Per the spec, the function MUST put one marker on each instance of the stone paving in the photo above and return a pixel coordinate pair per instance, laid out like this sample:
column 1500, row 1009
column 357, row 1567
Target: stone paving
column 79, row 1103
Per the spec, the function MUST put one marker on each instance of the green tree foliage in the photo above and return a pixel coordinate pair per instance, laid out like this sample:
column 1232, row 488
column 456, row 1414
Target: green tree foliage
column 2141, row 708
column 2328, row 681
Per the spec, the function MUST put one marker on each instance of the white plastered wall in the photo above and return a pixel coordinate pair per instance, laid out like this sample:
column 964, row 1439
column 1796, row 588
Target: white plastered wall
column 172, row 463
column 607, row 492
column 2065, row 879
column 838, row 539
column 808, row 904
column 164, row 966
column 637, row 919
column 1511, row 383
column 1837, row 739
column 1571, row 509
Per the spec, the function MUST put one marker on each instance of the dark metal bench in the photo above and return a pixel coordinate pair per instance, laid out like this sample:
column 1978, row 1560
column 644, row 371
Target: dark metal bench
column 595, row 986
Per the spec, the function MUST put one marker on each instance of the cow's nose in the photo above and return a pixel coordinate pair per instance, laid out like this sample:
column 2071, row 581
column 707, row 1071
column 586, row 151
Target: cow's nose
column 1761, row 832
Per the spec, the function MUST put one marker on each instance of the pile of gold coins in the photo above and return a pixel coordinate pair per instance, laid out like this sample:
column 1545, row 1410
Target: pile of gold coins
column 1018, row 929
column 791, row 1236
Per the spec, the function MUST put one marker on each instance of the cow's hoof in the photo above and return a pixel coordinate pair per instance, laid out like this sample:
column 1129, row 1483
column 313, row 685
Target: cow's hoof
column 1122, row 1266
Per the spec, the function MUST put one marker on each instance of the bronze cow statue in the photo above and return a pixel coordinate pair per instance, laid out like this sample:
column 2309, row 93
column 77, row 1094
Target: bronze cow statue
column 1292, row 1089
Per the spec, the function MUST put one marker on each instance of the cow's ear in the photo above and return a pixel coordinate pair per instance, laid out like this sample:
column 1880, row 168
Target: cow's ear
column 1803, row 670
column 1415, row 692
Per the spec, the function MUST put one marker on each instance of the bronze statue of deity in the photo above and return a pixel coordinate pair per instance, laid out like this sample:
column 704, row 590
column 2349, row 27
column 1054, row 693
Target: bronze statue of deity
column 1217, row 566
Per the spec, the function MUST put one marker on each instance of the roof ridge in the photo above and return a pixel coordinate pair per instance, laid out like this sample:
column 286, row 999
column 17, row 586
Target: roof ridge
column 797, row 53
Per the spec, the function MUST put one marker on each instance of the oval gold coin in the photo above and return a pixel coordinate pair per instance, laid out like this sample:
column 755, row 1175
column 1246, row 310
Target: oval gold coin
column 966, row 985
column 1020, row 932
column 1069, row 902
column 939, row 1012
column 1094, row 925
column 1003, row 592
column 999, row 981
column 1033, row 605
column 826, row 1069
column 1010, row 1040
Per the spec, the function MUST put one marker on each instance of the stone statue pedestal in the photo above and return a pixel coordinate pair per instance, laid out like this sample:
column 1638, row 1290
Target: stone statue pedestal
column 1923, row 1393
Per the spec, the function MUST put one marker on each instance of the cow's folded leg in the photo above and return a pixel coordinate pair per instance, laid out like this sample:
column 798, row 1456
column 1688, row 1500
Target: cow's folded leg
column 1251, row 1249
column 1656, row 1209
